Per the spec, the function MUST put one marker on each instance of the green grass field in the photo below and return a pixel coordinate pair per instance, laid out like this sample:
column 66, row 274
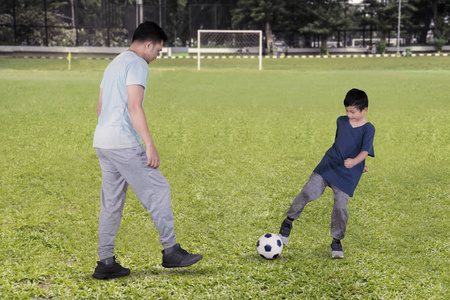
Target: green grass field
column 236, row 147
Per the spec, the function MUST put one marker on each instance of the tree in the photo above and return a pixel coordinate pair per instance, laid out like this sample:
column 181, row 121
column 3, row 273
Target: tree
column 265, row 15
column 324, row 17
column 440, row 17
column 383, row 16
column 204, row 14
column 35, row 22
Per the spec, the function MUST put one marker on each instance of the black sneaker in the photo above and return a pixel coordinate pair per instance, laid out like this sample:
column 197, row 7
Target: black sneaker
column 107, row 271
column 336, row 249
column 177, row 257
column 285, row 231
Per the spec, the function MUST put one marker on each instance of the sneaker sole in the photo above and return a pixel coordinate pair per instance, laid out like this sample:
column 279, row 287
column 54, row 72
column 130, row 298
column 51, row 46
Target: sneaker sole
column 337, row 254
column 190, row 263
column 109, row 276
column 284, row 239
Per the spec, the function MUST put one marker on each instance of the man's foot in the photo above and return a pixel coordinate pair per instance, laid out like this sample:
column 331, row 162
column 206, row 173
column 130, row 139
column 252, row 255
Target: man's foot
column 285, row 231
column 177, row 257
column 110, row 269
column 336, row 249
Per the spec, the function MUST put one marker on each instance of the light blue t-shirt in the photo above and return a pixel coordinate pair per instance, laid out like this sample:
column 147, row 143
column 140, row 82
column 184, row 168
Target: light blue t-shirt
column 115, row 129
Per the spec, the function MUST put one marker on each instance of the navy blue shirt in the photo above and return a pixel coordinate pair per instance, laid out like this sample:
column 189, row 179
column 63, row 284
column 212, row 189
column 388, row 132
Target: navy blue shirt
column 348, row 143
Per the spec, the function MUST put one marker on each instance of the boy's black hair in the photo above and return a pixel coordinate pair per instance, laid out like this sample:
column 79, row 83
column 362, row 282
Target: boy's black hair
column 356, row 98
column 149, row 31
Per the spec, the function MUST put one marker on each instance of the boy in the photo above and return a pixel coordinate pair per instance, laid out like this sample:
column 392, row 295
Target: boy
column 340, row 169
column 124, row 161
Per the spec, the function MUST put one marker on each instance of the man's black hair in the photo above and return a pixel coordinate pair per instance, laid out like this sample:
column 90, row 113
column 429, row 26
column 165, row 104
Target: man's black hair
column 149, row 31
column 356, row 98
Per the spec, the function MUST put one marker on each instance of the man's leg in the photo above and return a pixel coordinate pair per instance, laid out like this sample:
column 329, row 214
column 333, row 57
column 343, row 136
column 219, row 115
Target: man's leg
column 112, row 198
column 152, row 190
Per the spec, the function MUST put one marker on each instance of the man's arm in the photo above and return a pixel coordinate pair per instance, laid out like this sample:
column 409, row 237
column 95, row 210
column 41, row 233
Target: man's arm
column 135, row 99
column 99, row 105
column 351, row 162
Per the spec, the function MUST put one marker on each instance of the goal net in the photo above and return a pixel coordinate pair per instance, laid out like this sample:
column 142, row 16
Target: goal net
column 232, row 49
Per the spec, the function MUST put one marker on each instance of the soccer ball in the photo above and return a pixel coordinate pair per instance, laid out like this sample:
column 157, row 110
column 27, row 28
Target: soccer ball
column 269, row 246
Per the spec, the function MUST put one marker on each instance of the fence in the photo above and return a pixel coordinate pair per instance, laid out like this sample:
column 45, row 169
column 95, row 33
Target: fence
column 110, row 23
column 43, row 23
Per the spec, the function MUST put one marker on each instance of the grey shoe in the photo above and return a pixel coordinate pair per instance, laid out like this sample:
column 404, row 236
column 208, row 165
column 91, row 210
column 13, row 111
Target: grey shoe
column 336, row 249
column 285, row 231
column 177, row 257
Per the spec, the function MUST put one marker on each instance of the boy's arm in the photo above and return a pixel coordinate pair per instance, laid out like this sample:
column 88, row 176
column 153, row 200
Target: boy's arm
column 351, row 162
column 99, row 105
column 135, row 99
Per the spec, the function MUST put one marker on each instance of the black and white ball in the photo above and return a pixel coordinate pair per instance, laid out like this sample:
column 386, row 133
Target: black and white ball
column 269, row 246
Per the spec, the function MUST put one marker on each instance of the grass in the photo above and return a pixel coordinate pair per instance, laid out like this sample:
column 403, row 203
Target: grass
column 236, row 147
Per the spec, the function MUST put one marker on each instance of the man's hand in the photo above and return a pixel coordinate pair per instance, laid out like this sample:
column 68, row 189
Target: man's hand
column 99, row 105
column 152, row 157
column 137, row 115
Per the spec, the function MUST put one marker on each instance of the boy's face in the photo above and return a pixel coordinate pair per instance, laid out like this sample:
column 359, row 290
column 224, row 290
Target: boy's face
column 354, row 114
column 152, row 50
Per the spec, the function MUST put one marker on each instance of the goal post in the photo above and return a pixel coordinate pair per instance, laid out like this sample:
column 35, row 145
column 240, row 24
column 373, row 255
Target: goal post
column 235, row 49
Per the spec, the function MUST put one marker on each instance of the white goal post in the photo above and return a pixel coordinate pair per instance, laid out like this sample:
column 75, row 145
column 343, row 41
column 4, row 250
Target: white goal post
column 229, row 48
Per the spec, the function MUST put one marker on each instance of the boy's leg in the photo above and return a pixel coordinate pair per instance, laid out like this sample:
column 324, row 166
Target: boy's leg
column 112, row 199
column 339, row 216
column 312, row 190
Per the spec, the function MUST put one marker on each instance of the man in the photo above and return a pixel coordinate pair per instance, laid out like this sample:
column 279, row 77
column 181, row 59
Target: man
column 124, row 161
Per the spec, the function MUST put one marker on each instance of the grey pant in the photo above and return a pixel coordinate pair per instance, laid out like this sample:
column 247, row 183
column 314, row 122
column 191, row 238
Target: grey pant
column 123, row 167
column 311, row 191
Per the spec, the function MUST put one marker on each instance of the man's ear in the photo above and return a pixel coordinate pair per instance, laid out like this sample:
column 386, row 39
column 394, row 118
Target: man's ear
column 149, row 45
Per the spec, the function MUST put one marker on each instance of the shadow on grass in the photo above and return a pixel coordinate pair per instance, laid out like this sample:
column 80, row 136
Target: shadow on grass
column 295, row 253
column 194, row 270
column 156, row 272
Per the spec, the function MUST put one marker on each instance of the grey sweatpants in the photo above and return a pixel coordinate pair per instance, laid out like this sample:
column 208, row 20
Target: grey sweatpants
column 123, row 167
column 311, row 191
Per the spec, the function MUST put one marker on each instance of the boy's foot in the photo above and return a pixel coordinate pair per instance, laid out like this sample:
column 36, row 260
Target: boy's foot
column 110, row 269
column 177, row 257
column 285, row 231
column 336, row 249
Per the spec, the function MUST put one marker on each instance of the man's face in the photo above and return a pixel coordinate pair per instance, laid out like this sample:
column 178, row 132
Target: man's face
column 152, row 50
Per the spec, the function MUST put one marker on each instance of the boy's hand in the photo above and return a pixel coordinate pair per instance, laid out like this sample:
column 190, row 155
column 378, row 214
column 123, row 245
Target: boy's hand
column 349, row 163
column 152, row 157
column 366, row 169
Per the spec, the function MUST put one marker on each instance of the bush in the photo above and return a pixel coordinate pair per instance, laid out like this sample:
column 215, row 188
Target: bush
column 439, row 43
column 381, row 47
column 324, row 50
